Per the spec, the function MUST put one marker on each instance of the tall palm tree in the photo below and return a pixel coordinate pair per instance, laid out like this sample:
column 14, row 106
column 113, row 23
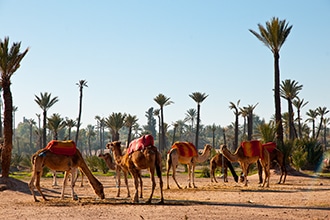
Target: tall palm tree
column 81, row 84
column 321, row 112
column 115, row 122
column 162, row 101
column 244, row 114
column 130, row 120
column 45, row 102
column 100, row 126
column 70, row 123
column 198, row 98
column 273, row 36
column 326, row 121
column 191, row 115
column 290, row 90
column 39, row 131
column 90, row 133
column 299, row 104
column 55, row 124
column 10, row 59
column 235, row 108
column 175, row 125
column 31, row 122
column 312, row 114
column 249, row 109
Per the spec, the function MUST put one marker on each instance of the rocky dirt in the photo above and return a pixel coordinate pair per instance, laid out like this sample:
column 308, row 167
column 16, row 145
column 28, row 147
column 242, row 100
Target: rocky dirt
column 301, row 197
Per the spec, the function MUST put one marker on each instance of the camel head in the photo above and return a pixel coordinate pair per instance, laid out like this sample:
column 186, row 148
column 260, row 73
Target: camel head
column 112, row 145
column 107, row 157
column 208, row 147
column 222, row 148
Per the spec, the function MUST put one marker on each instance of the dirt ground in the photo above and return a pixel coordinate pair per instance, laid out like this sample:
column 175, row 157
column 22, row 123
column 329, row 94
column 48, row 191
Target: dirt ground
column 301, row 197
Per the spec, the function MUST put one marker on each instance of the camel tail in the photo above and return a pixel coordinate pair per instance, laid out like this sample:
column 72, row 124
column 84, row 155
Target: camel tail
column 232, row 170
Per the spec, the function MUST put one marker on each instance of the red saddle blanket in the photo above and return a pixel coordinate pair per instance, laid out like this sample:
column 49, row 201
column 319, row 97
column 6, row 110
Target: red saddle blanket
column 252, row 148
column 62, row 147
column 140, row 143
column 270, row 146
column 185, row 149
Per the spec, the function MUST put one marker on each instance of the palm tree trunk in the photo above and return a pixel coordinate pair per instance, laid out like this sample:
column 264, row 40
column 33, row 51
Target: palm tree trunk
column 277, row 97
column 197, row 126
column 8, row 129
column 44, row 136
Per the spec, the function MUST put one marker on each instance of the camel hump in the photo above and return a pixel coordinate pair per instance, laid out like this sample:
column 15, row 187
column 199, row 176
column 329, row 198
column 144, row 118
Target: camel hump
column 252, row 148
column 67, row 148
column 270, row 146
column 185, row 149
column 140, row 143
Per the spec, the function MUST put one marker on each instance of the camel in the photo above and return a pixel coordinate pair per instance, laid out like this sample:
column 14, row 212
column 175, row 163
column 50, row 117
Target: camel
column 244, row 160
column 149, row 158
column 118, row 168
column 177, row 155
column 277, row 156
column 219, row 160
column 68, row 164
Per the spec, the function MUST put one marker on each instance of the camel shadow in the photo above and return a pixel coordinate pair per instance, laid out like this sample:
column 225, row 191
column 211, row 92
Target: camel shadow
column 9, row 183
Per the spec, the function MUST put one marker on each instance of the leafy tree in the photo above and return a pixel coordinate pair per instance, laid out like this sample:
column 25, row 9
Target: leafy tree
column 10, row 59
column 151, row 122
column 130, row 120
column 162, row 101
column 273, row 36
column 45, row 102
column 55, row 123
column 299, row 104
column 312, row 114
column 115, row 122
column 321, row 112
column 81, row 84
column 290, row 90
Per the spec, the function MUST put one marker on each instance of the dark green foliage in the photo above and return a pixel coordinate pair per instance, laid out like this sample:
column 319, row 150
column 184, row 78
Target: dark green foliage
column 205, row 172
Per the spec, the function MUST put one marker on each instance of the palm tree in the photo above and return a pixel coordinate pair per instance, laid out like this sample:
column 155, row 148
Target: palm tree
column 244, row 114
column 90, row 133
column 70, row 123
column 321, row 112
column 312, row 114
column 55, row 123
column 39, row 131
column 45, row 102
column 31, row 122
column 299, row 104
column 162, row 101
column 198, row 98
column 274, row 36
column 249, row 109
column 290, row 90
column 191, row 115
column 326, row 121
column 100, row 126
column 234, row 107
column 175, row 125
column 10, row 59
column 115, row 122
column 130, row 120
column 81, row 84
column 0, row 114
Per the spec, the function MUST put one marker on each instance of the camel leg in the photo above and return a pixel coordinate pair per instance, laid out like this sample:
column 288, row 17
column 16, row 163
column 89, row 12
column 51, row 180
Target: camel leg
column 126, row 183
column 141, row 185
column 225, row 174
column 118, row 181
column 245, row 172
column 74, row 174
column 135, row 173
column 38, row 185
column 173, row 176
column 66, row 174
column 54, row 178
column 153, row 182
column 31, row 186
column 260, row 172
column 212, row 170
column 193, row 175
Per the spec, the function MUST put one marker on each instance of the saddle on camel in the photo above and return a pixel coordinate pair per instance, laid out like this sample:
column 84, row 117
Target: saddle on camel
column 140, row 144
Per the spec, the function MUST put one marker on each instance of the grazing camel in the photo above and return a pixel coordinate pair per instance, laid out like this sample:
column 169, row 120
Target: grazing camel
column 216, row 161
column 118, row 168
column 185, row 153
column 67, row 163
column 247, row 153
column 149, row 158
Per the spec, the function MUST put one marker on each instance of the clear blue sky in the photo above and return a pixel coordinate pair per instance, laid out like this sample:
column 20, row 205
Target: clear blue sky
column 130, row 51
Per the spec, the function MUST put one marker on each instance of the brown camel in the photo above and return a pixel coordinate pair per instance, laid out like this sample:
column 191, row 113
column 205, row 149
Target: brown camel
column 219, row 160
column 118, row 168
column 149, row 158
column 240, row 157
column 68, row 164
column 182, row 153
column 277, row 156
